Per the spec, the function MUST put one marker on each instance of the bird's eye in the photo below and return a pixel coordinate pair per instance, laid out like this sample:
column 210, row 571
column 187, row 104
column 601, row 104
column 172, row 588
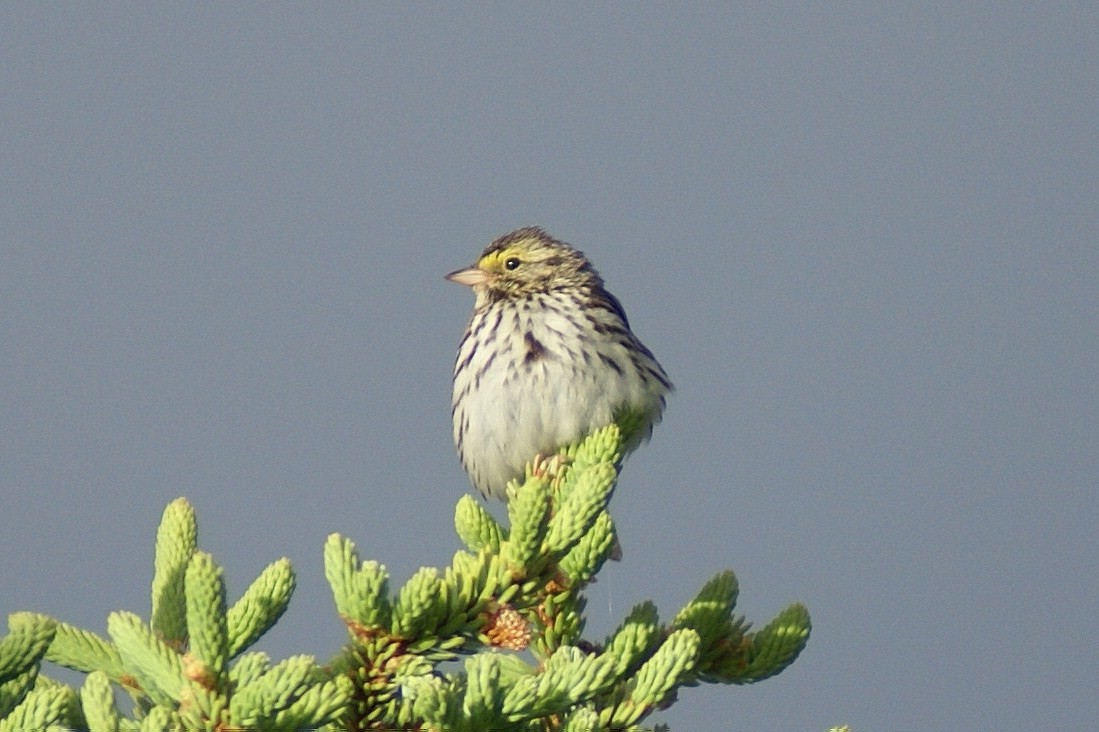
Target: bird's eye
column 511, row 263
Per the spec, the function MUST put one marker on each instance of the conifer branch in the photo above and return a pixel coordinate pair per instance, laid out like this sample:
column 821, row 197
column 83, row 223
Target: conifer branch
column 511, row 603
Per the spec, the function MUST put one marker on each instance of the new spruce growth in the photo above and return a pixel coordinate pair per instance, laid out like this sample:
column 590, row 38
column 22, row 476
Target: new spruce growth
column 519, row 589
column 186, row 669
column 492, row 641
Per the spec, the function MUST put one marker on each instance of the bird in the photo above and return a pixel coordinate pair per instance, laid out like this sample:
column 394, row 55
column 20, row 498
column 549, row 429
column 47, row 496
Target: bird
column 548, row 357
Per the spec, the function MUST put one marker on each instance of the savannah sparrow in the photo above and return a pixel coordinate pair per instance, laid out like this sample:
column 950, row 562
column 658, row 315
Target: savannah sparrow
column 547, row 358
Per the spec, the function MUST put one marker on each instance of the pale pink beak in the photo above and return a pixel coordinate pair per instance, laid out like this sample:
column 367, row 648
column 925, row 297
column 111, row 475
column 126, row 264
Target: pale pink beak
column 470, row 276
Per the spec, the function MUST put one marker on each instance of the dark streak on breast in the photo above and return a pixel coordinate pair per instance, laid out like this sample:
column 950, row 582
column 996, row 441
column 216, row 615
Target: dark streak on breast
column 535, row 349
column 611, row 362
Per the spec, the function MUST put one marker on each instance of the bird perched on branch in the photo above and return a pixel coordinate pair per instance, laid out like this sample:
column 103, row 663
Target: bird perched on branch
column 548, row 357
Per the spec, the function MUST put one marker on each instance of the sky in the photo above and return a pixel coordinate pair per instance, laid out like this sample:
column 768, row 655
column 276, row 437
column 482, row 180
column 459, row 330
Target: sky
column 863, row 241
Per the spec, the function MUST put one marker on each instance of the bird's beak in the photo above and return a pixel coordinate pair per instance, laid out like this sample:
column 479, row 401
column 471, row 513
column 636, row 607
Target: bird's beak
column 470, row 276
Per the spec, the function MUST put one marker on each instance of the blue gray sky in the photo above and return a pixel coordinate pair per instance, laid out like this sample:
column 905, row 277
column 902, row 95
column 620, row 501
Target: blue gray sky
column 862, row 240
